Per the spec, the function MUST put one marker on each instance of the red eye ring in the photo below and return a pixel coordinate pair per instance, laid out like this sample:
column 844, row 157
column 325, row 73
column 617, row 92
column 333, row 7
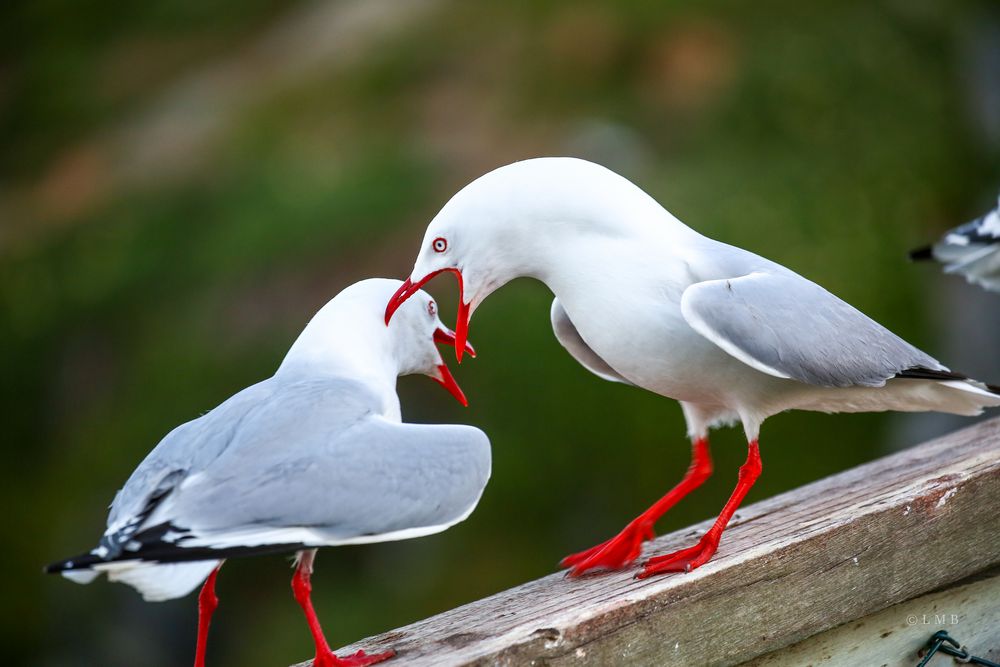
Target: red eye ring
column 440, row 244
column 431, row 308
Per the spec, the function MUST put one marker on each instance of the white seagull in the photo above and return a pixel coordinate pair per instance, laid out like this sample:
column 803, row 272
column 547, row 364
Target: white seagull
column 641, row 298
column 314, row 456
column 972, row 250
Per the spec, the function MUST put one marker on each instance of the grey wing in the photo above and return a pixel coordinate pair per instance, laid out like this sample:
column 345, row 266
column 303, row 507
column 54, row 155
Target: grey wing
column 145, row 500
column 568, row 336
column 373, row 481
column 186, row 449
column 789, row 327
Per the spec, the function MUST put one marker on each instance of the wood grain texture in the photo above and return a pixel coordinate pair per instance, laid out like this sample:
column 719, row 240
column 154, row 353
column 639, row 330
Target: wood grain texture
column 790, row 567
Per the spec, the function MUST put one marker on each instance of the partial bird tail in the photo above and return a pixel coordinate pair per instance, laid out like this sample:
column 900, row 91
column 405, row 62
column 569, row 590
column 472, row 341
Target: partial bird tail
column 154, row 581
column 158, row 569
column 971, row 250
column 82, row 562
column 947, row 391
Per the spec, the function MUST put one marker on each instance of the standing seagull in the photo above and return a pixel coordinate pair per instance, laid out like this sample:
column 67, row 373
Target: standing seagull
column 314, row 456
column 643, row 299
column 972, row 249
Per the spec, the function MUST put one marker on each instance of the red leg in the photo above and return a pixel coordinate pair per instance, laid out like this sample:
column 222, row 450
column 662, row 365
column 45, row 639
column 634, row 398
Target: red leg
column 626, row 546
column 207, row 602
column 688, row 559
column 302, row 587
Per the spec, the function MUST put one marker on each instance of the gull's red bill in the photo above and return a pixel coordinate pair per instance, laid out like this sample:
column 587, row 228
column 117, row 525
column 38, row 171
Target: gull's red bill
column 447, row 380
column 409, row 288
column 447, row 337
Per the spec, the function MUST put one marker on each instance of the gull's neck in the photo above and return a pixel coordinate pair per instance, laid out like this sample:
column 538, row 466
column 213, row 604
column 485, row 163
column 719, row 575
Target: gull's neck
column 625, row 232
column 350, row 345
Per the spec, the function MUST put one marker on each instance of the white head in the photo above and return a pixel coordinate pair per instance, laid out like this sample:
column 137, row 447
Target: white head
column 347, row 336
column 512, row 221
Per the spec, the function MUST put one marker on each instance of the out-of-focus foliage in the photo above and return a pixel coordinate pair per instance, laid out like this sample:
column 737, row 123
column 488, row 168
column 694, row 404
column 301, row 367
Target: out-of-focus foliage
column 184, row 183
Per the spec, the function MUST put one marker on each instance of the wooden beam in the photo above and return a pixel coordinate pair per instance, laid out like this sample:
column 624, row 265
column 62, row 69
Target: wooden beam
column 790, row 567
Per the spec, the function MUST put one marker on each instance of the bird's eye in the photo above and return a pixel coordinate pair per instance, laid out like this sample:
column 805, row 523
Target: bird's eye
column 439, row 244
column 431, row 308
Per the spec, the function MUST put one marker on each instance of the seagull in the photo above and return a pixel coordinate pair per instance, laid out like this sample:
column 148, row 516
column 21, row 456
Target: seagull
column 642, row 299
column 972, row 249
column 316, row 455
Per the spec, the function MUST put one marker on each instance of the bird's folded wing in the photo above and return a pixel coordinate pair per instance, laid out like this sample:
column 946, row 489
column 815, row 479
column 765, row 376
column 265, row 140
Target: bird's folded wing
column 569, row 337
column 372, row 481
column 789, row 327
column 287, row 463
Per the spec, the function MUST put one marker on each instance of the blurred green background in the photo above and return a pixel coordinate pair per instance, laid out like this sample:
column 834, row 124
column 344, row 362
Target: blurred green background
column 184, row 183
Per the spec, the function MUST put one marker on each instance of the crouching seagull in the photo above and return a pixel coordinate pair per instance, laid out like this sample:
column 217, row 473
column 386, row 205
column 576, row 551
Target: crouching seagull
column 314, row 456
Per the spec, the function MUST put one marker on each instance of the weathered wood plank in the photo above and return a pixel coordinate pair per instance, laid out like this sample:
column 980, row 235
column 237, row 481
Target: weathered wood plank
column 792, row 566
column 893, row 637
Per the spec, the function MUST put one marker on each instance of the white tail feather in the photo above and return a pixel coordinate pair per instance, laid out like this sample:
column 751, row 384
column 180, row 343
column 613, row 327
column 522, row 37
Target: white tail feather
column 155, row 581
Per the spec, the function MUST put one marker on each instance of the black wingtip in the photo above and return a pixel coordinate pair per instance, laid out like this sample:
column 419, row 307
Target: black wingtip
column 918, row 254
column 169, row 553
column 81, row 562
column 919, row 373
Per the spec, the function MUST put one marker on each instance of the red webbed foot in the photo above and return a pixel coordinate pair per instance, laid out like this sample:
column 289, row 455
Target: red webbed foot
column 683, row 560
column 616, row 553
column 359, row 659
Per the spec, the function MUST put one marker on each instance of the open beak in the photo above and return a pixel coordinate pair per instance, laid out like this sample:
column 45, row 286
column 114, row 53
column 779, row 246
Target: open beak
column 447, row 380
column 409, row 288
column 444, row 377
column 448, row 337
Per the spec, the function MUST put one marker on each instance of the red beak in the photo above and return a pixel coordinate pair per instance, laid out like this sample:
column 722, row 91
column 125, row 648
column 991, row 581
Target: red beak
column 447, row 337
column 447, row 380
column 409, row 288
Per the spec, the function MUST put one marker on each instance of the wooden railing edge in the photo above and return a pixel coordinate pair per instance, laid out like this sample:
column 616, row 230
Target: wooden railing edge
column 800, row 563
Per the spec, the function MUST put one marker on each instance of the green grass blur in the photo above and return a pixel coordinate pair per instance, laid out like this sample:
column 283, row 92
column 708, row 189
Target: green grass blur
column 137, row 292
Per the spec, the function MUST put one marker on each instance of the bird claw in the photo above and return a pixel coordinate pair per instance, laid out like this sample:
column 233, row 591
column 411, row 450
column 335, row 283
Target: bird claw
column 359, row 659
column 614, row 554
column 683, row 560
